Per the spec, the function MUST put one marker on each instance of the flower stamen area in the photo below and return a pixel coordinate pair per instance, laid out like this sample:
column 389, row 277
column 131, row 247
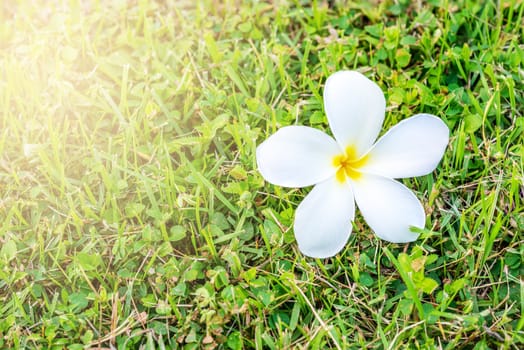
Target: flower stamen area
column 348, row 164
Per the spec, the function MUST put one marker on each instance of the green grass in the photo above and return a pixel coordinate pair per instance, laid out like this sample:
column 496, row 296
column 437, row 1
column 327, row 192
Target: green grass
column 132, row 214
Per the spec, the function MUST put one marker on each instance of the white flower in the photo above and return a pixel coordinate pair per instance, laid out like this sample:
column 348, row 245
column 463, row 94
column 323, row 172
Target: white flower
column 351, row 168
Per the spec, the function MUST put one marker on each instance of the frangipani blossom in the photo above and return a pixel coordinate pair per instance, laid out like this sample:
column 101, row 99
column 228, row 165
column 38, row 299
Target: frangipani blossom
column 352, row 168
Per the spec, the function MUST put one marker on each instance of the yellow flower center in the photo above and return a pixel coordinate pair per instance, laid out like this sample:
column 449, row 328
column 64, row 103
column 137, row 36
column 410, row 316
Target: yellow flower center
column 348, row 164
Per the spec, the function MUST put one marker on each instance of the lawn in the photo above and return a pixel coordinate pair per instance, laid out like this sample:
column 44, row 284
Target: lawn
column 132, row 213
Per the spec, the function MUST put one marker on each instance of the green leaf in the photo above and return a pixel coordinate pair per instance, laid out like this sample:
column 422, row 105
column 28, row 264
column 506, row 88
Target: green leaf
column 8, row 251
column 245, row 27
column 402, row 265
column 465, row 52
column 212, row 47
column 456, row 285
column 250, row 274
column 265, row 296
column 366, row 279
column 375, row 30
column 87, row 261
column 235, row 187
column 164, row 249
column 134, row 209
column 179, row 290
column 403, row 56
column 405, row 306
column 87, row 337
column 428, row 285
column 317, row 118
column 408, row 40
column 431, row 316
column 151, row 234
column 404, row 261
column 391, row 35
column 234, row 341
column 219, row 219
column 238, row 173
column 430, row 259
column 149, row 300
column 177, row 233
column 163, row 308
column 472, row 122
column 78, row 301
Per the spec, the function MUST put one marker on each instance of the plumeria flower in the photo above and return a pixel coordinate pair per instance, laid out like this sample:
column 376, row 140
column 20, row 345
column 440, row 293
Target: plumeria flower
column 352, row 168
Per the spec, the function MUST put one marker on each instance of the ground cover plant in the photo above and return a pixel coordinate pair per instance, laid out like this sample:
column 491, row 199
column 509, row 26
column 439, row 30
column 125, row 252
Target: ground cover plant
column 132, row 214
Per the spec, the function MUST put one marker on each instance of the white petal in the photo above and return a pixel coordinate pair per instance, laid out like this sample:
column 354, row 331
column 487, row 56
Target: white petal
column 388, row 207
column 355, row 108
column 323, row 219
column 413, row 147
column 297, row 156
